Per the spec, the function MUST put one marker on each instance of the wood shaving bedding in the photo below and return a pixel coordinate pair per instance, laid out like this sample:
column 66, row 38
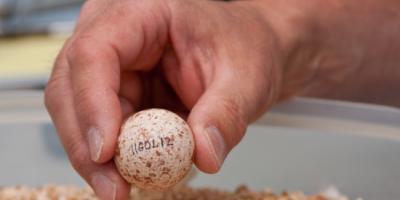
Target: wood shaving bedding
column 53, row 192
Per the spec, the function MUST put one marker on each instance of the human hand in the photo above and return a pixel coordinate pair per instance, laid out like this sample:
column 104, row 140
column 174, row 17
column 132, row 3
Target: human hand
column 218, row 63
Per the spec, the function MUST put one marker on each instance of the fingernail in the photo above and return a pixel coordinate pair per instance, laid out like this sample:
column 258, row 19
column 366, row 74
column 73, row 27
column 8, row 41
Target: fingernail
column 104, row 187
column 95, row 140
column 217, row 143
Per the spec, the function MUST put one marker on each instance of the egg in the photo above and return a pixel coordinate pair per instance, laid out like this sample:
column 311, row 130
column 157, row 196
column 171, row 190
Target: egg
column 155, row 149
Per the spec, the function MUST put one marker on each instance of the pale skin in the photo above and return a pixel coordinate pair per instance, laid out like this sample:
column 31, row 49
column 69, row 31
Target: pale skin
column 219, row 64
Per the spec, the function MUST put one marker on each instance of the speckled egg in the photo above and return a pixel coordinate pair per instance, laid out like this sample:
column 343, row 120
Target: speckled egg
column 155, row 149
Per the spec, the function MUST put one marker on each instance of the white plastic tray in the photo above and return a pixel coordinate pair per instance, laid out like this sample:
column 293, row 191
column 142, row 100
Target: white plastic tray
column 305, row 144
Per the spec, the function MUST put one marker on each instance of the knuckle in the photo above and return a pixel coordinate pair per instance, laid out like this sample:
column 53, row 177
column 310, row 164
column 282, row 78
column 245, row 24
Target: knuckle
column 57, row 86
column 49, row 99
column 77, row 156
column 237, row 122
column 84, row 103
column 53, row 91
column 81, row 50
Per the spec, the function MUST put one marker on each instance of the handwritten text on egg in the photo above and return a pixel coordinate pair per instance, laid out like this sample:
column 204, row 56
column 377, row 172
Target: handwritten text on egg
column 162, row 142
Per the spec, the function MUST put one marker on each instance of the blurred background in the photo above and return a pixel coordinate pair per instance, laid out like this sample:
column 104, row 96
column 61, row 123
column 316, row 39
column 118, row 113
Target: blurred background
column 31, row 34
column 305, row 144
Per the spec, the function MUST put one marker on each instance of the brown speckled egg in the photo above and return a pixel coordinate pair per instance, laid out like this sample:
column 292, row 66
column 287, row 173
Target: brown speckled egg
column 155, row 149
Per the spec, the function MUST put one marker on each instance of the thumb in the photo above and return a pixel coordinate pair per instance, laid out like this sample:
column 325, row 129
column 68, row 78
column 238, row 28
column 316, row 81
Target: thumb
column 219, row 120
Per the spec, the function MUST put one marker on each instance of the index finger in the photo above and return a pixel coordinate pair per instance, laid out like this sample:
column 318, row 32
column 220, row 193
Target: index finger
column 96, row 57
column 104, row 178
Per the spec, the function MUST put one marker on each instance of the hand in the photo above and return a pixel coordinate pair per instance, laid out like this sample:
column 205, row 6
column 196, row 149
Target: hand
column 217, row 63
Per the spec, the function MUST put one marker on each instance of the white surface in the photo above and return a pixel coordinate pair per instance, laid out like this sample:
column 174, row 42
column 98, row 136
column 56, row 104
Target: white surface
column 31, row 154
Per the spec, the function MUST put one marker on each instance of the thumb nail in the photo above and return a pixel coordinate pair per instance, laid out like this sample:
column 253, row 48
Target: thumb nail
column 95, row 140
column 217, row 144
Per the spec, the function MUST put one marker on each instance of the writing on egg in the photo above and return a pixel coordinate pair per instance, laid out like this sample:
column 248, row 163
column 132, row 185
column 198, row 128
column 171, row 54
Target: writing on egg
column 145, row 145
